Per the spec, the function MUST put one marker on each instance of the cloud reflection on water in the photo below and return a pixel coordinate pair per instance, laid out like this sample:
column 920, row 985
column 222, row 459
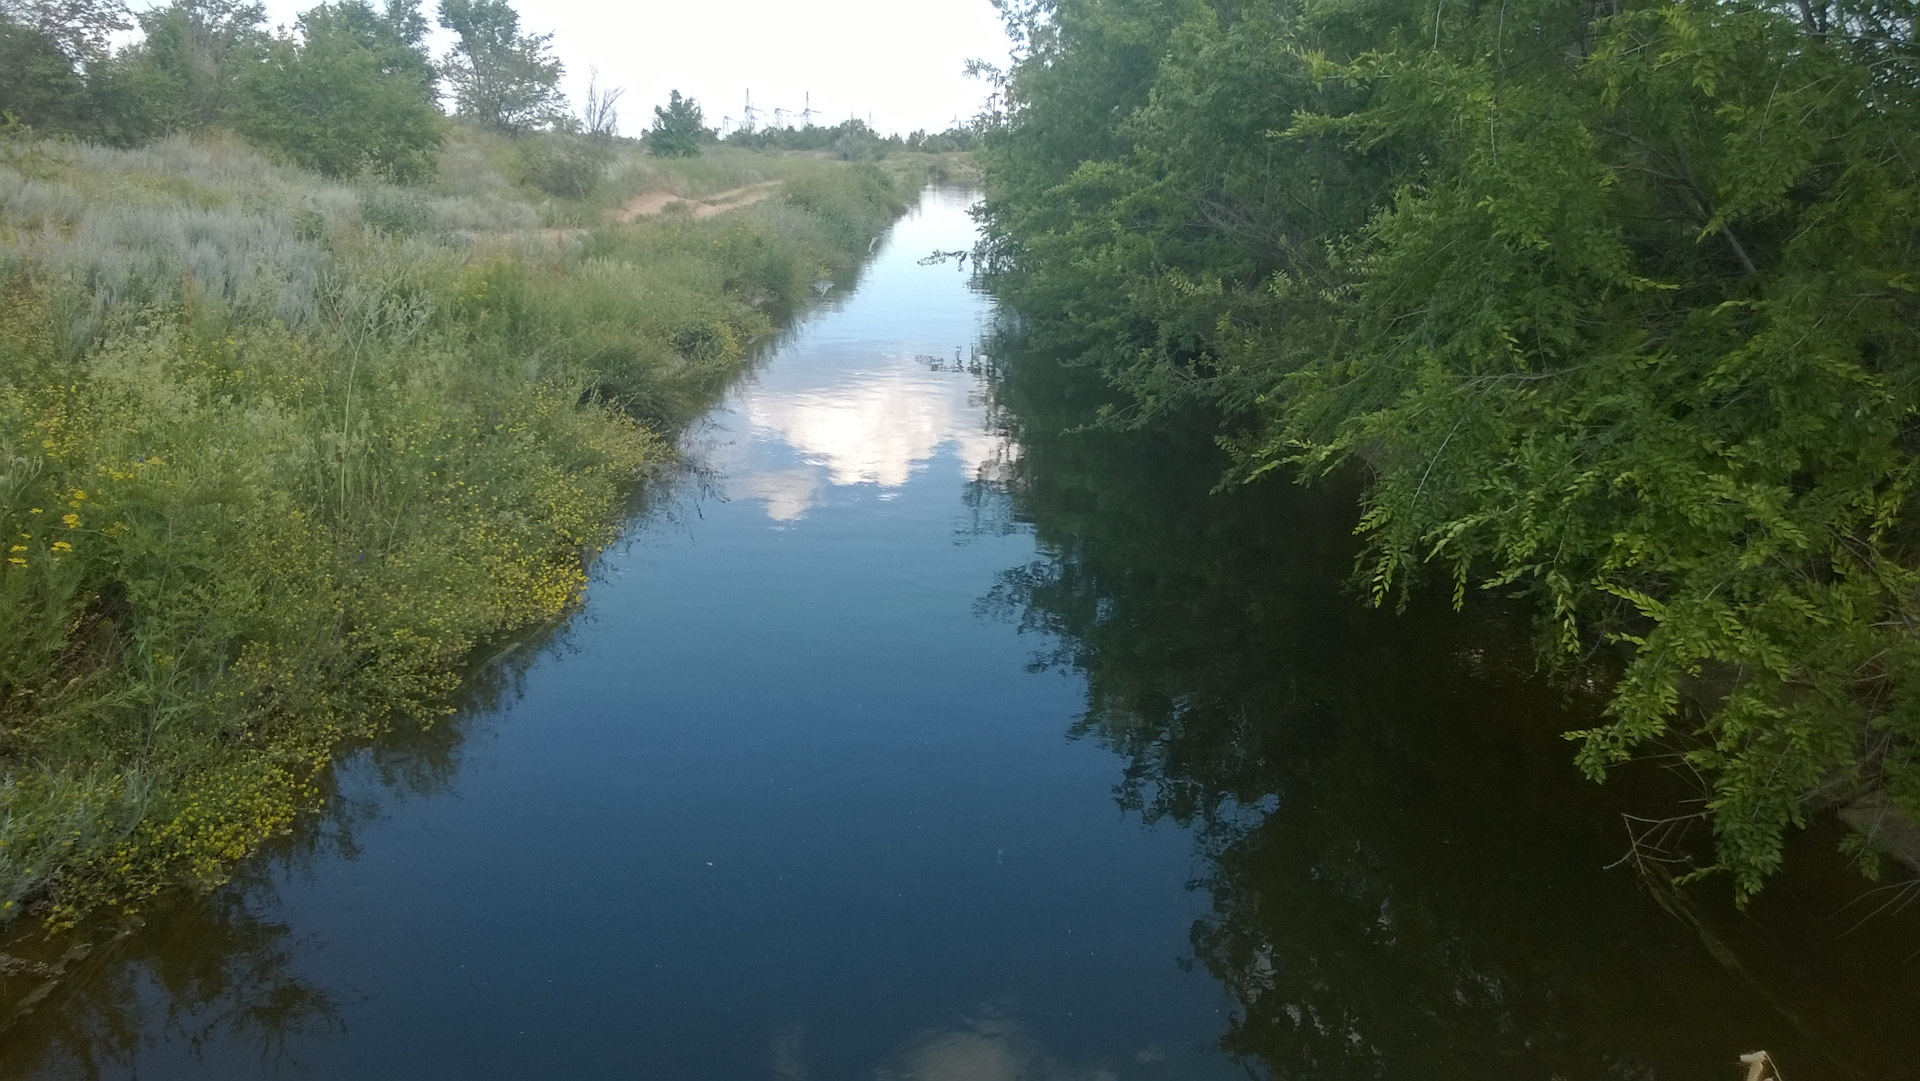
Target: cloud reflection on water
column 867, row 426
column 991, row 1049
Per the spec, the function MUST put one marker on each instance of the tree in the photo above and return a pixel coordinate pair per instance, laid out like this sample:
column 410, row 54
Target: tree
column 602, row 116
column 184, row 74
column 1611, row 305
column 41, row 88
column 46, row 47
column 353, row 93
column 499, row 77
column 81, row 30
column 397, row 35
column 678, row 129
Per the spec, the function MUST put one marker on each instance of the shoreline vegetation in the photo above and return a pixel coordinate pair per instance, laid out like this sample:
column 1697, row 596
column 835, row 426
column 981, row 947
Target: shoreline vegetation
column 279, row 453
column 1610, row 308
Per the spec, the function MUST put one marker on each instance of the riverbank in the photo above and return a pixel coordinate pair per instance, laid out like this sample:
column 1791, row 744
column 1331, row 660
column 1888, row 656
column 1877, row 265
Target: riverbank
column 278, row 453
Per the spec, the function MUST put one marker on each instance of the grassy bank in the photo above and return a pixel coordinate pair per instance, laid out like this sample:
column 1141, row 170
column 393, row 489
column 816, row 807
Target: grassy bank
column 278, row 453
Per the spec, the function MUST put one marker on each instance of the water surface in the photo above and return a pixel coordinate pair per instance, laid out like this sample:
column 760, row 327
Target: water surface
column 907, row 737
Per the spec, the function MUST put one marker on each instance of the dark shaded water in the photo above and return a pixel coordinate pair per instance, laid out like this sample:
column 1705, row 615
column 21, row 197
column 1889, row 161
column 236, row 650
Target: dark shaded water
column 823, row 782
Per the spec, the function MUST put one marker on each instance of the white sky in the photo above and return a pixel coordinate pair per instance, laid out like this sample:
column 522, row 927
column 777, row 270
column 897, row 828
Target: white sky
column 898, row 61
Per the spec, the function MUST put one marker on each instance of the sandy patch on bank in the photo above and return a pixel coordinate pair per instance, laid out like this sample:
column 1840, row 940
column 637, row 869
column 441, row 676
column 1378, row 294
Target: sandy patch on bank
column 647, row 204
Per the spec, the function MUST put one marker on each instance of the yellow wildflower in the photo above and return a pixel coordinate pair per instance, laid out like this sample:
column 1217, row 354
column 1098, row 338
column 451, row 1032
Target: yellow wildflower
column 72, row 520
column 62, row 546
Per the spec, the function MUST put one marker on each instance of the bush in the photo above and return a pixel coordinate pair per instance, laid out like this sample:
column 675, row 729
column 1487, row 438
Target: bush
column 349, row 97
column 563, row 166
column 393, row 213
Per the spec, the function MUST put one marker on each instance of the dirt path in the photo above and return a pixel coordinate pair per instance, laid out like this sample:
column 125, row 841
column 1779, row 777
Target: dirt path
column 647, row 204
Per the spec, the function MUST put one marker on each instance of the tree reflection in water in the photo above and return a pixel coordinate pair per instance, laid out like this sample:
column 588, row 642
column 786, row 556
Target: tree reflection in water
column 228, row 978
column 218, row 970
column 1408, row 877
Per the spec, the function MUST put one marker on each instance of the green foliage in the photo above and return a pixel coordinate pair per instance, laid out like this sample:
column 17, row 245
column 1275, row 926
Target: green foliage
column 1351, row 856
column 1615, row 308
column 564, row 166
column 42, row 88
column 180, row 76
column 848, row 202
column 500, row 77
column 80, row 30
column 389, row 212
column 47, row 50
column 352, row 94
column 277, row 455
column 853, row 139
column 678, row 128
column 186, row 72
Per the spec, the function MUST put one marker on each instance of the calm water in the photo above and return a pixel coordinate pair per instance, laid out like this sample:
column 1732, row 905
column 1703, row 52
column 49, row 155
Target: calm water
column 909, row 737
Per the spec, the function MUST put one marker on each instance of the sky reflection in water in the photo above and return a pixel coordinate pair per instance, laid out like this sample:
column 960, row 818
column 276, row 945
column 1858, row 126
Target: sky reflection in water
column 876, row 426
column 844, row 406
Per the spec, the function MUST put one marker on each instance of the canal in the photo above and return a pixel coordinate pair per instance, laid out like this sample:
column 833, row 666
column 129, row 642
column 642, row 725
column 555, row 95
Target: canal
column 913, row 733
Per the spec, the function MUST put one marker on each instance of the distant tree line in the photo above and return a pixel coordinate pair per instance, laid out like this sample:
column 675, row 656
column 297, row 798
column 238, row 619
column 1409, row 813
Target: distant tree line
column 852, row 140
column 350, row 89
column 1615, row 306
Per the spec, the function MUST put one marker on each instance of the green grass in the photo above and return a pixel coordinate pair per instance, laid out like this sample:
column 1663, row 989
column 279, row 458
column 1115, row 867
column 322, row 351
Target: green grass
column 277, row 454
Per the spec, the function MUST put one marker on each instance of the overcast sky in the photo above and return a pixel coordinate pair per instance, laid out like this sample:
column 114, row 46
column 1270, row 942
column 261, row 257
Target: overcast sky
column 898, row 61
